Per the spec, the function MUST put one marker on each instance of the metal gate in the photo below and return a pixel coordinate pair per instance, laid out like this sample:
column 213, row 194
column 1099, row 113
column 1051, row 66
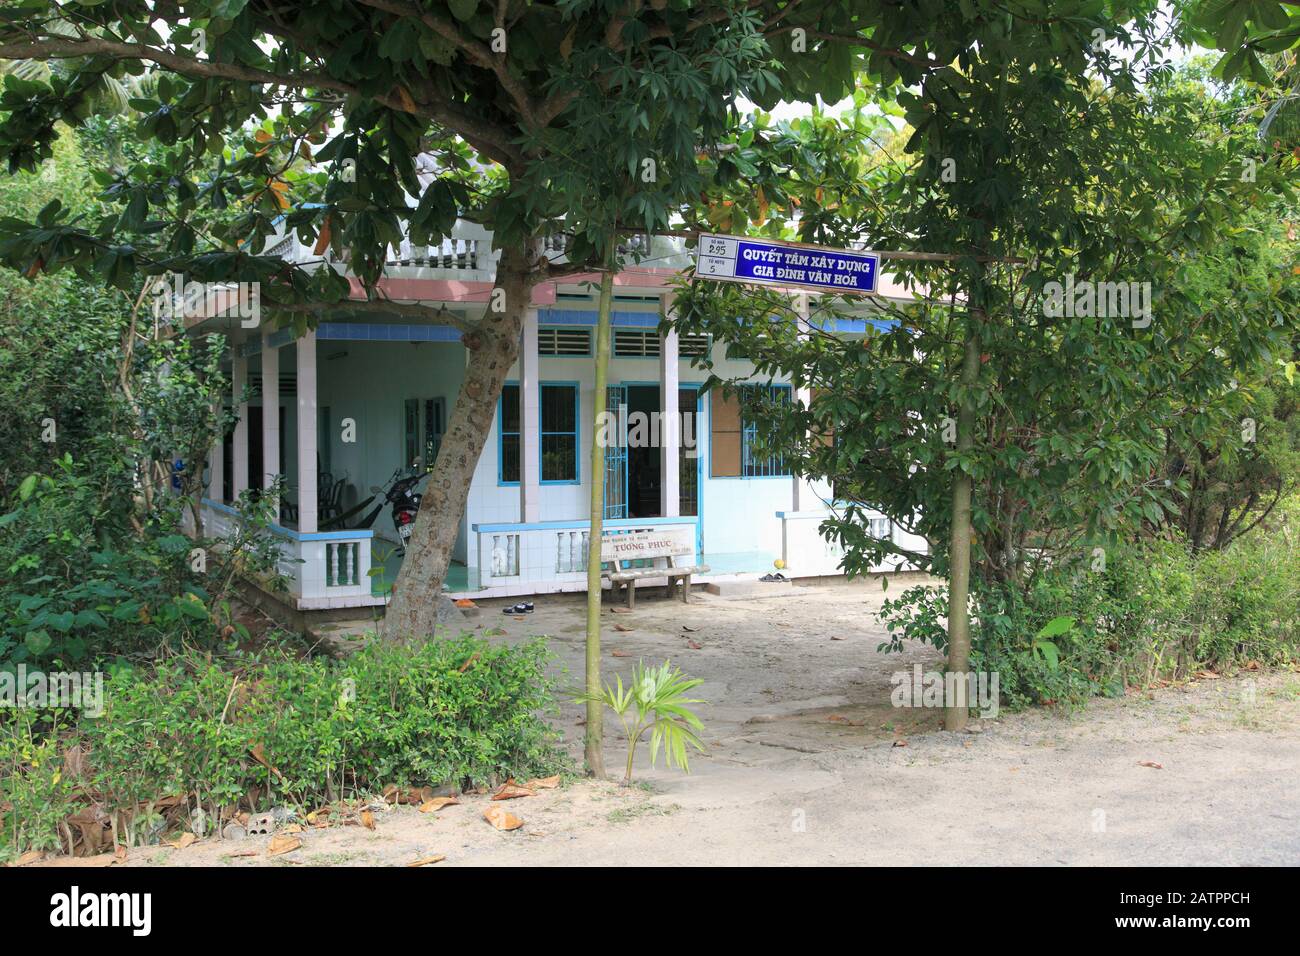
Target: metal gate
column 615, row 452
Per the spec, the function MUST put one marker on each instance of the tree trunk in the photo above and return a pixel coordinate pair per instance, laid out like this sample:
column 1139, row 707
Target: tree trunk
column 959, row 551
column 595, row 759
column 492, row 350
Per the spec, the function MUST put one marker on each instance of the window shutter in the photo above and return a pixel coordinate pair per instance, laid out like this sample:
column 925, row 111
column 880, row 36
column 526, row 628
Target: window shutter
column 724, row 444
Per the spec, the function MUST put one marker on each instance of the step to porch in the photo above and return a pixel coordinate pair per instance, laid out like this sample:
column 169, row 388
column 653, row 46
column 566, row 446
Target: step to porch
column 742, row 588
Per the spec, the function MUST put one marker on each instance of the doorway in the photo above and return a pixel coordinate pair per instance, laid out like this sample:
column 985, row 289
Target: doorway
column 644, row 454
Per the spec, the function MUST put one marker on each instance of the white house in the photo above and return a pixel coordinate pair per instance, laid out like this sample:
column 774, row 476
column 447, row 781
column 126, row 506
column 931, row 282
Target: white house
column 359, row 399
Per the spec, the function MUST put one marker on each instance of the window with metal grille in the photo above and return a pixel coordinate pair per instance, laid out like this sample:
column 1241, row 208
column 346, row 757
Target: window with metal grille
column 563, row 341
column 636, row 343
column 754, row 464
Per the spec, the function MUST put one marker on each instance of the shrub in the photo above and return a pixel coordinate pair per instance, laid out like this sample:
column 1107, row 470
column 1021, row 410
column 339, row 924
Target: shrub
column 78, row 585
column 1155, row 612
column 279, row 731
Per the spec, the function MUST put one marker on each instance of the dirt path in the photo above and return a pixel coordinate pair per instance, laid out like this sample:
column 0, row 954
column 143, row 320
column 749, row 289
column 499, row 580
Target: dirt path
column 802, row 766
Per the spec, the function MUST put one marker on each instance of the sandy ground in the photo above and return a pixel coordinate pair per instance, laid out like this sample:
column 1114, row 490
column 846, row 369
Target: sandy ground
column 803, row 767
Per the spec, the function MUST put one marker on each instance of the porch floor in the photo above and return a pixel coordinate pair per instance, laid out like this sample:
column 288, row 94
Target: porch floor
column 385, row 563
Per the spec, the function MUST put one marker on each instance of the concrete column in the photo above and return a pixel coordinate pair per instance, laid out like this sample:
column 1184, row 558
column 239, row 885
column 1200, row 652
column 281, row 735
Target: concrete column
column 530, row 424
column 307, row 496
column 803, row 498
column 239, row 460
column 217, row 466
column 217, row 458
column 270, row 412
column 670, row 431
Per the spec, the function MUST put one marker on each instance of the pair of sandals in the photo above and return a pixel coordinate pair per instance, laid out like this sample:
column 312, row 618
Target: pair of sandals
column 523, row 607
column 778, row 576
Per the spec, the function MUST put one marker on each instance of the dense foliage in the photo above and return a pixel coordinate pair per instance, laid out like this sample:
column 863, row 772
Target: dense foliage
column 1151, row 612
column 277, row 731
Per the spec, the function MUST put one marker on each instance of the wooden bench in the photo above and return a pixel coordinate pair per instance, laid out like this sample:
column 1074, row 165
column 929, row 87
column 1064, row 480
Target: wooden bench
column 652, row 545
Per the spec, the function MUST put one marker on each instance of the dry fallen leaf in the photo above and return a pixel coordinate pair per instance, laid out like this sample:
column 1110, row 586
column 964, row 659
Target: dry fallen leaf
column 235, row 856
column 258, row 753
column 621, row 627
column 437, row 803
column 31, row 856
column 619, row 654
column 367, row 819
column 502, row 818
column 900, row 742
column 511, row 790
column 687, row 627
column 841, row 719
column 184, row 840
column 282, row 843
column 837, row 638
column 621, row 610
column 543, row 783
column 695, row 645
column 464, row 602
column 1208, row 675
column 425, row 861
column 1150, row 763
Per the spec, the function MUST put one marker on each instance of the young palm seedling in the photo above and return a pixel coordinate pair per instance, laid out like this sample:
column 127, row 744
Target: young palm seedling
column 658, row 695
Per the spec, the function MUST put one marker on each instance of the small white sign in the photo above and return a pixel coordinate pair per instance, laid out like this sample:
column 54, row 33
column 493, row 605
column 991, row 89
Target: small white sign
column 650, row 543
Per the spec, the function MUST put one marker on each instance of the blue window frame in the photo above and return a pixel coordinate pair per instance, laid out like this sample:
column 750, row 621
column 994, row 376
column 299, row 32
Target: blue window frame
column 558, row 440
column 752, row 463
column 559, row 434
column 508, row 438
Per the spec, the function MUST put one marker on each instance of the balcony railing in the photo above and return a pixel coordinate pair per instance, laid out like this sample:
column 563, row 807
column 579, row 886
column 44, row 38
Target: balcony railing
column 469, row 250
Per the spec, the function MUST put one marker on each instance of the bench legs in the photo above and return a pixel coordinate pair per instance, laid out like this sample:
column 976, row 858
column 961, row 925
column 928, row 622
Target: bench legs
column 674, row 580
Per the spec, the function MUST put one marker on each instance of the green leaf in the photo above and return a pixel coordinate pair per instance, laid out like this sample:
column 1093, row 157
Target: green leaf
column 1056, row 627
column 462, row 10
column 37, row 642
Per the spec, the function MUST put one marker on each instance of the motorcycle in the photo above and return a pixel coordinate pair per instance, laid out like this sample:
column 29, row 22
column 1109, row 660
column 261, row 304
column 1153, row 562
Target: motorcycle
column 401, row 496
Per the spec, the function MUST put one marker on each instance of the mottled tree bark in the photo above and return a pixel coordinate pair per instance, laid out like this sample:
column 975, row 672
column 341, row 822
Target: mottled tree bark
column 492, row 349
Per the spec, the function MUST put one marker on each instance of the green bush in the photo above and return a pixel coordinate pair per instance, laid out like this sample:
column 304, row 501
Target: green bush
column 78, row 586
column 1155, row 612
column 288, row 732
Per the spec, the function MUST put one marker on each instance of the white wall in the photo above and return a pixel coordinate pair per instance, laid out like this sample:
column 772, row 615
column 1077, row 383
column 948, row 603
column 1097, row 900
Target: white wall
column 370, row 382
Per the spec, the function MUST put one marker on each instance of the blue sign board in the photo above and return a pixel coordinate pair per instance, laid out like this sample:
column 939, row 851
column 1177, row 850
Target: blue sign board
column 760, row 261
